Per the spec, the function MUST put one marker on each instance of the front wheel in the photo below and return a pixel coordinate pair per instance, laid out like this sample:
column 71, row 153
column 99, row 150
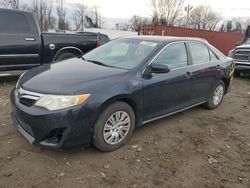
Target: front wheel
column 216, row 96
column 114, row 127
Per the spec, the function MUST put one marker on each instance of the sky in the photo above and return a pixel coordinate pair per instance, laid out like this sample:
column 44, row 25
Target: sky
column 128, row 8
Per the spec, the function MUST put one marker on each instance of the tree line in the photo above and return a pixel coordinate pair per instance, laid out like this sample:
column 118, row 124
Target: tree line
column 174, row 13
column 54, row 14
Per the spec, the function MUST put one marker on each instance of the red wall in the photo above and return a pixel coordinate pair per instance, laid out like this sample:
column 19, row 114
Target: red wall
column 222, row 40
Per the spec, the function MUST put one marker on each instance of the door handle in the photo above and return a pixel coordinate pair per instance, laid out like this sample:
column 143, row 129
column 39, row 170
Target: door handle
column 29, row 39
column 188, row 75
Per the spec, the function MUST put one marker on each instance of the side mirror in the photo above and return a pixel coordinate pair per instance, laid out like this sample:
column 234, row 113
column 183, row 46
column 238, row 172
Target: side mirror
column 158, row 68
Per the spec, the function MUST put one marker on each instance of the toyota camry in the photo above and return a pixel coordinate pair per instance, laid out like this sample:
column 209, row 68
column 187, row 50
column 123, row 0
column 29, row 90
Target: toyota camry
column 101, row 97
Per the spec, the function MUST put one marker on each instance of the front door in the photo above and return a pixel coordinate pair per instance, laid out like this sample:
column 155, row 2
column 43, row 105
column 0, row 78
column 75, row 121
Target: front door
column 168, row 92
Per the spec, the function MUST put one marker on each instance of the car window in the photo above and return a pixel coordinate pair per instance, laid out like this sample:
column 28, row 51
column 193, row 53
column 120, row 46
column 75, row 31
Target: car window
column 174, row 56
column 199, row 52
column 13, row 23
column 213, row 57
column 103, row 38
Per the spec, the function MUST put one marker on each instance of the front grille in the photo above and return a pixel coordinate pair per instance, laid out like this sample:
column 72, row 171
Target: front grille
column 27, row 102
column 242, row 55
column 27, row 98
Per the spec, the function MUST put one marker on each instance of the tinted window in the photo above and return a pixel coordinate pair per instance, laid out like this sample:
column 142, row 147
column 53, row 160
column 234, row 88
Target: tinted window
column 213, row 57
column 199, row 52
column 174, row 56
column 13, row 23
column 103, row 38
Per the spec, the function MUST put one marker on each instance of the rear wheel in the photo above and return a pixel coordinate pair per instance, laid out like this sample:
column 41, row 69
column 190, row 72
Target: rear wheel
column 216, row 96
column 114, row 127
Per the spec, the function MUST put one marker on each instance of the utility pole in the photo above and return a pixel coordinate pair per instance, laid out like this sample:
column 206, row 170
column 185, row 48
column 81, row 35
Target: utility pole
column 188, row 9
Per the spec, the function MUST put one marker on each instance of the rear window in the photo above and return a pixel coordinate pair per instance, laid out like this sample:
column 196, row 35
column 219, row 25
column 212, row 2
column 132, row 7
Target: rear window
column 213, row 57
column 199, row 52
column 103, row 38
column 13, row 23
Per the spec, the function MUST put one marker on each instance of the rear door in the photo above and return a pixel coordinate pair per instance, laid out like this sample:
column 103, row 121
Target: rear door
column 205, row 70
column 20, row 42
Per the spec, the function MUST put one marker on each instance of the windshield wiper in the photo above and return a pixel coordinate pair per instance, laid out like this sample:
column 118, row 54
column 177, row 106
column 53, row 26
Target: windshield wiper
column 98, row 62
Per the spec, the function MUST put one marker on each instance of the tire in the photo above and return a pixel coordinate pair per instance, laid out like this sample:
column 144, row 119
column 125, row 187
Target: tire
column 64, row 56
column 103, row 125
column 212, row 103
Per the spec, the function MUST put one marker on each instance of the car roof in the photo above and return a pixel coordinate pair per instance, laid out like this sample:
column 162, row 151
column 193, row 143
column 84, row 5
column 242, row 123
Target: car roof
column 166, row 39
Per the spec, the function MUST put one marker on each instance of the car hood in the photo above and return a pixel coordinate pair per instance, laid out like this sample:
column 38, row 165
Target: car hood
column 68, row 77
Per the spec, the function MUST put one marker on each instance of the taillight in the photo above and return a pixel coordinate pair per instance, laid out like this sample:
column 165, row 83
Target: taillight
column 98, row 43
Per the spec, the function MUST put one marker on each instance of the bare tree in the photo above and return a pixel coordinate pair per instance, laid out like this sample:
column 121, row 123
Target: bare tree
column 42, row 10
column 61, row 13
column 13, row 4
column 166, row 11
column 117, row 25
column 97, row 17
column 79, row 16
column 155, row 16
column 203, row 17
column 188, row 10
column 229, row 26
column 136, row 21
column 222, row 28
column 238, row 27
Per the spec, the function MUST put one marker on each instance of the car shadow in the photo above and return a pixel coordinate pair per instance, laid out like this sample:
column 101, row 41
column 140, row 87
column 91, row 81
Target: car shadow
column 245, row 76
column 9, row 79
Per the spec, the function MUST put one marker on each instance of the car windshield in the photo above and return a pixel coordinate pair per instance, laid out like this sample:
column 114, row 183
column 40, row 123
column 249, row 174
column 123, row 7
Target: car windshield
column 121, row 53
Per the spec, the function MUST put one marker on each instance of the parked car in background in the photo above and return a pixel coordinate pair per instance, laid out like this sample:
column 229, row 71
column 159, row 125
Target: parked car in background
column 23, row 46
column 116, row 87
column 241, row 55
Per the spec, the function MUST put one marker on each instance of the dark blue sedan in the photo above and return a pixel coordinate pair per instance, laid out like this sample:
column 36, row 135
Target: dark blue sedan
column 101, row 97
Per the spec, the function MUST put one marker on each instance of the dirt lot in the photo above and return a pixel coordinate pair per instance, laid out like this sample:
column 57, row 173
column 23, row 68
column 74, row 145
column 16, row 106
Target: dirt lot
column 195, row 148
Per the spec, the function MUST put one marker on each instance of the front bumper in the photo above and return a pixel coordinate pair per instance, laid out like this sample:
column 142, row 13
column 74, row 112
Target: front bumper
column 242, row 66
column 58, row 129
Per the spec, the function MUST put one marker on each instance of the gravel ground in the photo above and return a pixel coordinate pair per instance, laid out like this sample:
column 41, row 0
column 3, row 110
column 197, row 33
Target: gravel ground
column 196, row 148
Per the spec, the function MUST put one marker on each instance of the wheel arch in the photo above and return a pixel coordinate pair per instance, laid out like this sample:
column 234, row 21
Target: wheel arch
column 226, row 82
column 122, row 98
column 68, row 49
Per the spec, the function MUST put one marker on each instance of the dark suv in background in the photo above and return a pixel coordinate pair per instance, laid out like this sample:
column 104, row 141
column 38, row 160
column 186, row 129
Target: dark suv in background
column 23, row 46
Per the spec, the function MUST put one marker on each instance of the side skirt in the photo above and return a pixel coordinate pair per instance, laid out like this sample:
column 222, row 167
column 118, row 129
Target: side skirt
column 171, row 113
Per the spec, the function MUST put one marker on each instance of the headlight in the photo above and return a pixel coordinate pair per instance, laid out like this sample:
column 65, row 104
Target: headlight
column 58, row 102
column 231, row 53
